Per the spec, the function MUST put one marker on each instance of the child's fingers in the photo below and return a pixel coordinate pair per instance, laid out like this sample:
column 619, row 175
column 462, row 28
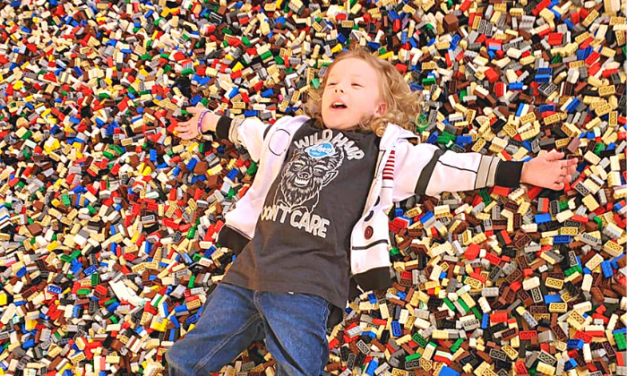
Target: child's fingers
column 186, row 136
column 181, row 128
column 569, row 169
column 195, row 109
column 557, row 186
column 554, row 156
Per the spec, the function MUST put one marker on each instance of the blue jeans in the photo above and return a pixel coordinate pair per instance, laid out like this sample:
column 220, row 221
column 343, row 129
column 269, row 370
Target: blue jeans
column 293, row 325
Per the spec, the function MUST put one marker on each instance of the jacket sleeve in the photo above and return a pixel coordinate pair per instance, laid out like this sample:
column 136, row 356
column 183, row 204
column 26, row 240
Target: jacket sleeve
column 248, row 133
column 425, row 169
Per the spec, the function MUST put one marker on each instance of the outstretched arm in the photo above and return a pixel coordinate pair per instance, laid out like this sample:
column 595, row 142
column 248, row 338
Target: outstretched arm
column 248, row 133
column 425, row 169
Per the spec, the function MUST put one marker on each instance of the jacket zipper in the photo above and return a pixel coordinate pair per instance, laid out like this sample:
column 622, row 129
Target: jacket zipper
column 369, row 201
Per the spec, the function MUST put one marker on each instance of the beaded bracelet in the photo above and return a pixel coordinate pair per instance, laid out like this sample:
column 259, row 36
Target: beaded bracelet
column 200, row 119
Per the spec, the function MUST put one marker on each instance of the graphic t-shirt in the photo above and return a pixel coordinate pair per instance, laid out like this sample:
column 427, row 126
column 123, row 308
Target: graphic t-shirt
column 302, row 237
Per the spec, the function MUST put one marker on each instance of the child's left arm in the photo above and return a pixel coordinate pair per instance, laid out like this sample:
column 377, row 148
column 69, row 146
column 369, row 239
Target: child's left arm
column 426, row 169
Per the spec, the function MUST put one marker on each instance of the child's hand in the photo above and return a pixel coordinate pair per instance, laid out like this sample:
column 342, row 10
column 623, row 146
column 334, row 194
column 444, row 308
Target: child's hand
column 548, row 171
column 189, row 129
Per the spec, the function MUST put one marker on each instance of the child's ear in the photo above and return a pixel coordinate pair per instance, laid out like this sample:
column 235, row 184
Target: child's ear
column 381, row 109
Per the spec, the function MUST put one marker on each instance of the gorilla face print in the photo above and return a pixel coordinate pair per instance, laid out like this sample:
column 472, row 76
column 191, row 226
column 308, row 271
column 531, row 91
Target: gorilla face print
column 308, row 171
column 314, row 163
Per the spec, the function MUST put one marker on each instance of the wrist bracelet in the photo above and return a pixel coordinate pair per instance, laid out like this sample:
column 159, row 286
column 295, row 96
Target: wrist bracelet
column 200, row 119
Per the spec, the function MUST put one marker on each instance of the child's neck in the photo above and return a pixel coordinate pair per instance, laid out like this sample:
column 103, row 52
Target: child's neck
column 354, row 128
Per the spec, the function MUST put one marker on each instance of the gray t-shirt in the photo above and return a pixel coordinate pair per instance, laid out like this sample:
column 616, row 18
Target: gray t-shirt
column 302, row 237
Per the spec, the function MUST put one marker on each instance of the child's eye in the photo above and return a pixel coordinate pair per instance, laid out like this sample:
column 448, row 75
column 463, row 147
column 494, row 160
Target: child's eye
column 357, row 84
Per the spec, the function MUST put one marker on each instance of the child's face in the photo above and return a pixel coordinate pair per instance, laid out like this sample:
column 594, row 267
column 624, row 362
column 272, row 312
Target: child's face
column 355, row 84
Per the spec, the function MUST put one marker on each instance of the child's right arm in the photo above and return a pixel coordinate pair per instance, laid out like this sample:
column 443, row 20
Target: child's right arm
column 248, row 133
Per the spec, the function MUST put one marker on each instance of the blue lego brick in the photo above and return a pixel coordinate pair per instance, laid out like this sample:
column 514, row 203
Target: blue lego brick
column 433, row 138
column 113, row 306
column 182, row 309
column 515, row 86
column 546, row 107
column 396, row 329
column 372, row 298
column 485, row 321
column 583, row 54
column 233, row 93
column 174, row 320
column 456, row 40
column 542, row 218
column 570, row 364
column 463, row 140
column 91, row 270
column 198, row 178
column 572, row 106
column 191, row 164
column 575, row 344
column 544, row 71
column 561, row 239
column 446, row 371
column 192, row 319
column 425, row 218
column 232, row 174
column 195, row 100
column 21, row 273
column 55, row 289
column 373, row 45
column 554, row 298
column 606, row 267
column 28, row 344
column 372, row 366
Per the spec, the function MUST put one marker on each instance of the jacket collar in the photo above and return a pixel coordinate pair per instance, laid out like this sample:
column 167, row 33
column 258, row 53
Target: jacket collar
column 392, row 133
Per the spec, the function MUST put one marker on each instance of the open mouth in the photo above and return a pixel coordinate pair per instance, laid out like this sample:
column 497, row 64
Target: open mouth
column 338, row 105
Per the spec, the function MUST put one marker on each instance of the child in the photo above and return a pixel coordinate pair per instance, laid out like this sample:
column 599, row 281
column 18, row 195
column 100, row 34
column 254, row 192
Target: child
column 315, row 217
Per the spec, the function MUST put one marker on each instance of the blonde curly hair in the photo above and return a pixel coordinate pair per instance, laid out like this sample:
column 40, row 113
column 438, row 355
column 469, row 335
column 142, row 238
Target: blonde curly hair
column 404, row 105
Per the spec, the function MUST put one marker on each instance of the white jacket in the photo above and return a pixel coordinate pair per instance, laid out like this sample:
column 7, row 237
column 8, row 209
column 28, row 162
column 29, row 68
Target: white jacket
column 403, row 170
